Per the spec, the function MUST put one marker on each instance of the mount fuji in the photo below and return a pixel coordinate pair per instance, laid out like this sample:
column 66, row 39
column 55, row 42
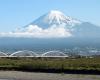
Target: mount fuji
column 55, row 18
column 55, row 24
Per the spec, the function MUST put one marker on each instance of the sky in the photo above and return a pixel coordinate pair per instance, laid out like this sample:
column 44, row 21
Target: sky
column 18, row 13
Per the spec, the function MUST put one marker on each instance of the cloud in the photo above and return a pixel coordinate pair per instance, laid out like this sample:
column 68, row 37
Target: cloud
column 33, row 31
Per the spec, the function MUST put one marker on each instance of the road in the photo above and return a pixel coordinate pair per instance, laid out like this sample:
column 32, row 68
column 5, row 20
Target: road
column 17, row 75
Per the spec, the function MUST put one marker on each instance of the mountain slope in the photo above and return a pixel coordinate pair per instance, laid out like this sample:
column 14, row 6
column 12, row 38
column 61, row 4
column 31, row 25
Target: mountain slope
column 86, row 29
column 54, row 18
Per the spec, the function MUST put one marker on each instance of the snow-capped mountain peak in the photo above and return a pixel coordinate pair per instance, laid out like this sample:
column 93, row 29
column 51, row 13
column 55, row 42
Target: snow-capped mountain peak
column 58, row 17
column 54, row 17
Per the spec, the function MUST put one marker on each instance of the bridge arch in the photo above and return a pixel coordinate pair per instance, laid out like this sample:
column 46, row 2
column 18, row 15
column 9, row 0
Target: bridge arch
column 54, row 54
column 2, row 54
column 24, row 53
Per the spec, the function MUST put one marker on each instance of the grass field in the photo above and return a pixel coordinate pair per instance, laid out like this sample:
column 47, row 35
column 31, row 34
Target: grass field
column 68, row 65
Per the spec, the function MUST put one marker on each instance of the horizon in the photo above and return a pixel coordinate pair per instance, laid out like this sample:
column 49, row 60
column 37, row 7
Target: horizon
column 16, row 14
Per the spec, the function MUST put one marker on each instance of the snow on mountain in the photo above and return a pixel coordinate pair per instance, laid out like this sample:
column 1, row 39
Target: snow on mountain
column 55, row 24
column 55, row 18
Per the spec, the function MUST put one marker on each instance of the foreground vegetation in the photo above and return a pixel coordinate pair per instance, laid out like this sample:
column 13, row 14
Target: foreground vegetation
column 79, row 65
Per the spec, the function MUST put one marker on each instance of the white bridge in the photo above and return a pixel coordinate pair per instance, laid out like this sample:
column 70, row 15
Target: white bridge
column 26, row 53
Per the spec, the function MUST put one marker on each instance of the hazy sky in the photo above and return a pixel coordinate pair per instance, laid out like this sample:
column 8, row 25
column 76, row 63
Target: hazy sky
column 18, row 13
